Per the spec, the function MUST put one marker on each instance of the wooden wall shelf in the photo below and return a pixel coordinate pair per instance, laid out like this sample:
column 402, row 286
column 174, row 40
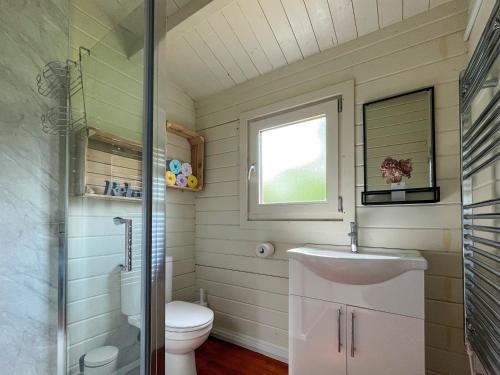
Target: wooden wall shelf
column 101, row 156
column 197, row 144
column 183, row 188
column 111, row 197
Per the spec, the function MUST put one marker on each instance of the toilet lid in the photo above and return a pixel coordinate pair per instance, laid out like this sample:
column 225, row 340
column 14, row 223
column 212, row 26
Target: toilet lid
column 101, row 356
column 184, row 316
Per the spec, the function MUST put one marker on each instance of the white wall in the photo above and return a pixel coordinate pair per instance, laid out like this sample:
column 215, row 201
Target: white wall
column 95, row 252
column 180, row 205
column 249, row 295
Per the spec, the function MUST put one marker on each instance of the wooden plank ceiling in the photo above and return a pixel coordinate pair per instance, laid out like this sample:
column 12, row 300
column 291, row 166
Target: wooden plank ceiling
column 234, row 41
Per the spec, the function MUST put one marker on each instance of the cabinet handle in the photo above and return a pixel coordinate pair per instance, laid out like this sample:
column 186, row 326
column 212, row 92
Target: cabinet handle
column 352, row 334
column 339, row 313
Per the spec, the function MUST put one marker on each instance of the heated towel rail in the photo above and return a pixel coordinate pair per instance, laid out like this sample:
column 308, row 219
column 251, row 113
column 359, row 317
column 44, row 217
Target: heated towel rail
column 480, row 168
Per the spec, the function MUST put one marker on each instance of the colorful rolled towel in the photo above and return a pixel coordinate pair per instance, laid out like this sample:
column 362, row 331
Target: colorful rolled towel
column 175, row 166
column 181, row 180
column 186, row 169
column 192, row 182
column 170, row 177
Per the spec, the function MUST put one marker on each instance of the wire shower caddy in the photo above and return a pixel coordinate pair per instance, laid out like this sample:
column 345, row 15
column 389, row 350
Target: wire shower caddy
column 62, row 82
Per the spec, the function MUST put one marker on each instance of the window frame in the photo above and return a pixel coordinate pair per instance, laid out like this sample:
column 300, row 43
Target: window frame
column 339, row 222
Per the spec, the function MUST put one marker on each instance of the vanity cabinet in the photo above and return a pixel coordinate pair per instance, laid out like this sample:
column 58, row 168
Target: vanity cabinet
column 328, row 338
column 340, row 328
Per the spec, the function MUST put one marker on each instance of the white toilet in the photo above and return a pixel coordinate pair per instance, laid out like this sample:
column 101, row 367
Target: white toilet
column 101, row 361
column 187, row 325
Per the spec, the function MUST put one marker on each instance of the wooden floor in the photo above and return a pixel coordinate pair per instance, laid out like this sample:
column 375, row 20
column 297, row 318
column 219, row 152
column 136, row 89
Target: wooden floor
column 216, row 357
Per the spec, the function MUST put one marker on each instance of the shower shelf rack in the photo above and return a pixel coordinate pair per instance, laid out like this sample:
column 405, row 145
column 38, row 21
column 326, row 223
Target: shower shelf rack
column 62, row 83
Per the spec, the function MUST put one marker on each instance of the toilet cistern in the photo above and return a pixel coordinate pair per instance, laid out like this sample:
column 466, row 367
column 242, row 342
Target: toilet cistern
column 354, row 237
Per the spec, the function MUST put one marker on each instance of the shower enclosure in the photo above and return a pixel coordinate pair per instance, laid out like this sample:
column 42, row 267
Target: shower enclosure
column 82, row 174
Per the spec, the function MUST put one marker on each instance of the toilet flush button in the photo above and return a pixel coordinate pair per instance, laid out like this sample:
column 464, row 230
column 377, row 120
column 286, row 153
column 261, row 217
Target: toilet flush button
column 264, row 250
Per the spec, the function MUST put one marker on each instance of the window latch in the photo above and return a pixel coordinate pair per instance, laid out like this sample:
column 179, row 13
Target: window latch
column 251, row 169
column 341, row 205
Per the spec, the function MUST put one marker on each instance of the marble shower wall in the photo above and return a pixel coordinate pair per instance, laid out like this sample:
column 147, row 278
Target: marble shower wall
column 32, row 33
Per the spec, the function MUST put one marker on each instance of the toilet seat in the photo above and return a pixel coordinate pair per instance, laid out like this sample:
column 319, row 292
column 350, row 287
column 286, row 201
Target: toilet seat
column 100, row 357
column 183, row 316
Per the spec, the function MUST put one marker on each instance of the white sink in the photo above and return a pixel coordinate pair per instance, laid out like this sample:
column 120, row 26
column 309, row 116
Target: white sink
column 368, row 266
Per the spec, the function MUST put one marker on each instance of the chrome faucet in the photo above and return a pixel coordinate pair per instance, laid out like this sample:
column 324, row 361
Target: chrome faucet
column 354, row 237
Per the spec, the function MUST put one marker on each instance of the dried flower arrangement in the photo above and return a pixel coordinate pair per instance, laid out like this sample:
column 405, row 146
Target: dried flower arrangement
column 393, row 170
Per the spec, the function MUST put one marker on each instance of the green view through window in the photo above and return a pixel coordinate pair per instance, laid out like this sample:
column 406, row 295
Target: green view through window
column 293, row 162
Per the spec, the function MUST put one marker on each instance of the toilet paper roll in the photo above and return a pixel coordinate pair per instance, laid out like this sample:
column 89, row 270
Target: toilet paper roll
column 264, row 250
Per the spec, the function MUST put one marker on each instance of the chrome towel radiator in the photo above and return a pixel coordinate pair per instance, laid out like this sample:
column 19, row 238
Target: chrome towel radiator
column 480, row 170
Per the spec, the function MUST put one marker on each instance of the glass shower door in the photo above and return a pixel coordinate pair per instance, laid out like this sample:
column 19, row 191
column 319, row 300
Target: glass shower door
column 107, row 199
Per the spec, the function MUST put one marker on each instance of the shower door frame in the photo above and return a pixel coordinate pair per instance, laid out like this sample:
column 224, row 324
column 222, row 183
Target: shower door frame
column 153, row 248
column 152, row 347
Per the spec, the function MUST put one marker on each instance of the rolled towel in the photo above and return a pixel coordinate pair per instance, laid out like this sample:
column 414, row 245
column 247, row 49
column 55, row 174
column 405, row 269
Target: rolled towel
column 186, row 169
column 170, row 177
column 181, row 180
column 192, row 181
column 175, row 166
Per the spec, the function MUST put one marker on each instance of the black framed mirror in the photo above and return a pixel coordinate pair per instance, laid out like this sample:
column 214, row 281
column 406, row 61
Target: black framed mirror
column 400, row 150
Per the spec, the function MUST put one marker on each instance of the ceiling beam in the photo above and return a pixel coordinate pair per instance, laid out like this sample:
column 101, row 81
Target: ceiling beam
column 192, row 14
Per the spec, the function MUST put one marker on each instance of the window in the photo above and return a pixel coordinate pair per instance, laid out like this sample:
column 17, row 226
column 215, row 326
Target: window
column 290, row 177
column 292, row 162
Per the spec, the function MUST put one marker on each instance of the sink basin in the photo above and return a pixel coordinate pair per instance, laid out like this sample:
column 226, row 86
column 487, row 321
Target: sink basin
column 368, row 266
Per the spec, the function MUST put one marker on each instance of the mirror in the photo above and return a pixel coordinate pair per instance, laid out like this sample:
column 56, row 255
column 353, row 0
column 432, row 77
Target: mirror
column 399, row 149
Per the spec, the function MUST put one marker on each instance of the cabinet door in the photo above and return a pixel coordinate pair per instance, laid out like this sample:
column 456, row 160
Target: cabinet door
column 317, row 337
column 383, row 343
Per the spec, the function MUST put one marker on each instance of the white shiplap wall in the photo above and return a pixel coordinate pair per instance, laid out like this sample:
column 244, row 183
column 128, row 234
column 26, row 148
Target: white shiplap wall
column 95, row 252
column 249, row 295
column 180, row 210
